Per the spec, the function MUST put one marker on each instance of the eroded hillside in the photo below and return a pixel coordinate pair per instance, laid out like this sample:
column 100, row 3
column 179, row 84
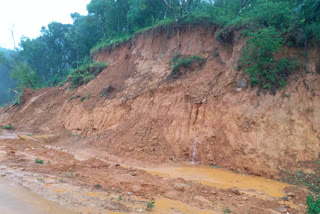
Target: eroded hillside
column 134, row 112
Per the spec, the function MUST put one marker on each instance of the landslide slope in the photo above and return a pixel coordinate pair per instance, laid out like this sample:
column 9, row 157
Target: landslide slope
column 134, row 110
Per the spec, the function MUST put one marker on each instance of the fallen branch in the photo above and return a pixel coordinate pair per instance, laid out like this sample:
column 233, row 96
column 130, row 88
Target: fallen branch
column 7, row 109
column 16, row 92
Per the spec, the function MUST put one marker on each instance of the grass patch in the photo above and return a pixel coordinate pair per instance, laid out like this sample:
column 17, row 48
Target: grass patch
column 9, row 127
column 180, row 64
column 109, row 43
column 168, row 24
column 311, row 181
column 85, row 73
column 38, row 161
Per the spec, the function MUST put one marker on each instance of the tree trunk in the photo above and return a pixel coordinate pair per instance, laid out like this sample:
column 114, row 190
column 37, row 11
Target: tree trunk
column 12, row 34
column 181, row 7
column 172, row 9
column 243, row 5
column 188, row 5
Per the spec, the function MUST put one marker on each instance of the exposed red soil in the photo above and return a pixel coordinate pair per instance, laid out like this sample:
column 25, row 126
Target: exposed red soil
column 153, row 119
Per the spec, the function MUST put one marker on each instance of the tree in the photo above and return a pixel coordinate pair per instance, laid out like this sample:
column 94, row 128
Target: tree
column 144, row 13
column 177, row 7
column 50, row 54
column 243, row 5
column 83, row 35
column 4, row 61
column 25, row 77
column 100, row 10
column 5, row 82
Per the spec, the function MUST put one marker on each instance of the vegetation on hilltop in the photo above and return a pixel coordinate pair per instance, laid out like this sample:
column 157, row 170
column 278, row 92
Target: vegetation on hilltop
column 5, row 82
column 61, row 48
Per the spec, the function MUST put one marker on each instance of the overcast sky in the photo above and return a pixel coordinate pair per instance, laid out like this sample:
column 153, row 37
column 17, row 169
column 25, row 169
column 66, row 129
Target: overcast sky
column 28, row 16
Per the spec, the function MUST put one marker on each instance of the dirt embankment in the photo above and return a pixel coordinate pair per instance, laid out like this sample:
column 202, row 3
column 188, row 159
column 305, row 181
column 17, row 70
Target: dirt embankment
column 135, row 111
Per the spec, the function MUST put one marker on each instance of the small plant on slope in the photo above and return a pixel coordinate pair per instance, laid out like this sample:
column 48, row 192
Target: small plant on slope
column 7, row 127
column 39, row 161
column 150, row 205
column 179, row 62
column 313, row 204
column 226, row 211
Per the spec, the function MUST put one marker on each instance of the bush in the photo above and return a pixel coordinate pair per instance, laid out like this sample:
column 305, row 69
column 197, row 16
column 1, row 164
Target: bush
column 259, row 61
column 85, row 73
column 178, row 62
column 25, row 77
column 267, row 13
column 313, row 204
column 17, row 100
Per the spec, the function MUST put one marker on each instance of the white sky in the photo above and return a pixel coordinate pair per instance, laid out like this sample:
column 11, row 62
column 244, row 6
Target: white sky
column 28, row 16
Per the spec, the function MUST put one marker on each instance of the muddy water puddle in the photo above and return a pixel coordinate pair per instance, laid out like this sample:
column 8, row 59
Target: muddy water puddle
column 215, row 177
column 15, row 199
column 223, row 179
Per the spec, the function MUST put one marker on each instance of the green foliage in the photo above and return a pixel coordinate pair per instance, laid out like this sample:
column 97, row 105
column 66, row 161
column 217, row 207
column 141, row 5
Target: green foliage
column 260, row 62
column 25, row 76
column 119, row 198
column 178, row 62
column 5, row 82
column 3, row 59
column 85, row 73
column 108, row 43
column 7, row 127
column 71, row 98
column 226, row 211
column 311, row 181
column 17, row 100
column 313, row 204
column 150, row 205
column 277, row 14
column 61, row 47
column 71, row 172
column 299, row 21
column 39, row 161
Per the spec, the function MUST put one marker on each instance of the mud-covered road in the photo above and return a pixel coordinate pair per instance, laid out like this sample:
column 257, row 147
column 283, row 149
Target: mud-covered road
column 85, row 180
column 14, row 199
